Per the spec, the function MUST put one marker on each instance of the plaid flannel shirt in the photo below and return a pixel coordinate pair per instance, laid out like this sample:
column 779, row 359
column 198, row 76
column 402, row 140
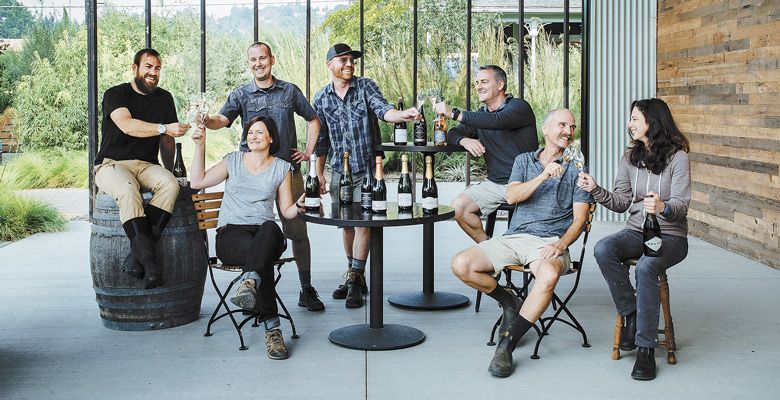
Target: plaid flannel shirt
column 346, row 123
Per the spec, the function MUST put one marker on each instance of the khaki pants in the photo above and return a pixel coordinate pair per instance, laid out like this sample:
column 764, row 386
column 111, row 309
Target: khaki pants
column 123, row 180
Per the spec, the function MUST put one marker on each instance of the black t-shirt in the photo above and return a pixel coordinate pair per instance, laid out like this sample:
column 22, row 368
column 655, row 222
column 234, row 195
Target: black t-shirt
column 156, row 107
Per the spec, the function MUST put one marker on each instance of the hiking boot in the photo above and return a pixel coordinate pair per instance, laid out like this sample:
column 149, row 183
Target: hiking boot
column 341, row 292
column 310, row 299
column 246, row 295
column 355, row 283
column 274, row 345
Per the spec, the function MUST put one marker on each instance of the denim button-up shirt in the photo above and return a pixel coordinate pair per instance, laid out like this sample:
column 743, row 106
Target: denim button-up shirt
column 277, row 102
column 346, row 123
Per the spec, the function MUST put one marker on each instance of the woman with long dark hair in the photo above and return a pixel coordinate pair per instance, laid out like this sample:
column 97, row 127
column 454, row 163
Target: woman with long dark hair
column 654, row 176
column 247, row 234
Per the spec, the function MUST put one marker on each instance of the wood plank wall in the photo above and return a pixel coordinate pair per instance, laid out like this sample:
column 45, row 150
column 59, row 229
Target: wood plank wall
column 719, row 69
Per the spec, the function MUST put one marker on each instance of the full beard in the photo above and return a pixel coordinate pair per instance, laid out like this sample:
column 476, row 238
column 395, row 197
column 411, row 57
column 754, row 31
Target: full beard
column 143, row 86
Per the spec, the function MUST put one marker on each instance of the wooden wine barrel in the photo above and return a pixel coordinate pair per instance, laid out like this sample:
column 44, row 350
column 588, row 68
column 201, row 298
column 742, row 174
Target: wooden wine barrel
column 124, row 304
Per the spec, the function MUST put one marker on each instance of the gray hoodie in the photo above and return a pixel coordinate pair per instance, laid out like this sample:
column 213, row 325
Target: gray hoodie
column 632, row 184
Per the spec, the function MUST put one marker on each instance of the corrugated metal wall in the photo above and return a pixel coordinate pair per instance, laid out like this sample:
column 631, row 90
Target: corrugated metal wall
column 623, row 61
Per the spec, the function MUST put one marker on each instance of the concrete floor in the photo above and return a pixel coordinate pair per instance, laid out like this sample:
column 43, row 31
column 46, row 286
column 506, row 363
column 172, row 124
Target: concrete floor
column 53, row 346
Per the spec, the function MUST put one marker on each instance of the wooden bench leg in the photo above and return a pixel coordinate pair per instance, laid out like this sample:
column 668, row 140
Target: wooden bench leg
column 668, row 341
column 616, row 343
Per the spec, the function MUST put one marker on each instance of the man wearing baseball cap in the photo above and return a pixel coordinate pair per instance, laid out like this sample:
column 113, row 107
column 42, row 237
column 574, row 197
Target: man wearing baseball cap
column 347, row 108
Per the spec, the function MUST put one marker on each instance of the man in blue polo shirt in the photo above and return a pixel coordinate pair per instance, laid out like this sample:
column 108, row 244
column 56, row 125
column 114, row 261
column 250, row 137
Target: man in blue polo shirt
column 271, row 97
column 550, row 213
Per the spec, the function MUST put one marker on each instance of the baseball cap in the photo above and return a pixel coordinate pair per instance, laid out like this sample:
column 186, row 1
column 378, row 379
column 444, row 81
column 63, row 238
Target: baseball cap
column 340, row 49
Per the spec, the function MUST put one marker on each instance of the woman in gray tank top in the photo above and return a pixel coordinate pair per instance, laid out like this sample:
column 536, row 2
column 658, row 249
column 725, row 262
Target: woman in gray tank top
column 247, row 234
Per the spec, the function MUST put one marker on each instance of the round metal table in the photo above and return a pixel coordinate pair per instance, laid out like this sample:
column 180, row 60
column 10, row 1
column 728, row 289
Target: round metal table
column 376, row 335
column 428, row 299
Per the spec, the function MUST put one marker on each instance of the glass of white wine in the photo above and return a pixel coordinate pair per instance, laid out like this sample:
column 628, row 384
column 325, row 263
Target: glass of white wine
column 197, row 109
column 573, row 153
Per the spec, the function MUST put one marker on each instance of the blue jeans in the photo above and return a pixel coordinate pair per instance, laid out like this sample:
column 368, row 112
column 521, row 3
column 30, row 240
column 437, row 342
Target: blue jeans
column 610, row 253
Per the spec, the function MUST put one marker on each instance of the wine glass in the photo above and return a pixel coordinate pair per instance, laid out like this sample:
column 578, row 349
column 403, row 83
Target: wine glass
column 422, row 95
column 434, row 96
column 573, row 153
column 197, row 110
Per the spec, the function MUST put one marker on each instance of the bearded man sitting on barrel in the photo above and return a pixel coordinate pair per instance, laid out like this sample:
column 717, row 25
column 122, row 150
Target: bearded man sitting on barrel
column 139, row 120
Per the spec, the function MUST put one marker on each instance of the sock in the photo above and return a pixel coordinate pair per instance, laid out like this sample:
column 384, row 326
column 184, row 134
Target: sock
column 358, row 264
column 516, row 331
column 501, row 295
column 305, row 278
column 349, row 261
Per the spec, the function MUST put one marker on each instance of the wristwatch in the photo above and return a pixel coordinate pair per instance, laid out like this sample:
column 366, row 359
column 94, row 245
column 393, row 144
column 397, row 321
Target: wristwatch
column 161, row 129
column 455, row 113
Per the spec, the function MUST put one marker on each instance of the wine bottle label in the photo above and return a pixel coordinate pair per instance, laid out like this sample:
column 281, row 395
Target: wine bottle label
column 378, row 205
column 653, row 243
column 345, row 193
column 312, row 202
column 429, row 203
column 365, row 199
column 439, row 136
column 400, row 135
column 404, row 199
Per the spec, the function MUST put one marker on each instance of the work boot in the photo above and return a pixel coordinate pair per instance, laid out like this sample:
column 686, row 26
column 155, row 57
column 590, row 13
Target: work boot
column 511, row 313
column 341, row 292
column 158, row 219
column 628, row 333
column 644, row 367
column 142, row 247
column 274, row 345
column 310, row 299
column 501, row 364
column 355, row 283
column 246, row 295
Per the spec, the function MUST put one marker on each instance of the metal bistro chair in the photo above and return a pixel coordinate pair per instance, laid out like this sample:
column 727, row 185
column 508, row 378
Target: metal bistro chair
column 668, row 331
column 559, row 306
column 490, row 224
column 207, row 205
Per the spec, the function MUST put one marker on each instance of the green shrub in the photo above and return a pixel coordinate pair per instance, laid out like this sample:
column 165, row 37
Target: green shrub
column 21, row 217
column 49, row 169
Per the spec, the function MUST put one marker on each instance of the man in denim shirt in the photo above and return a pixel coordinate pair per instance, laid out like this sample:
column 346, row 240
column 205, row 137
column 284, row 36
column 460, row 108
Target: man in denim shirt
column 271, row 97
column 550, row 212
column 347, row 108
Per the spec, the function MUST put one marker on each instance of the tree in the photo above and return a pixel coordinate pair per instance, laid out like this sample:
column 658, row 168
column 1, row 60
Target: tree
column 14, row 19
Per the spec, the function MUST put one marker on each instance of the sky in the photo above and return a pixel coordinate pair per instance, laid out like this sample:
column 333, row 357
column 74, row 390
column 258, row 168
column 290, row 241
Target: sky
column 214, row 8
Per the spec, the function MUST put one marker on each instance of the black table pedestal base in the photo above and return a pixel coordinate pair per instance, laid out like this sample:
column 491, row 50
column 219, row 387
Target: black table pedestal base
column 389, row 337
column 429, row 301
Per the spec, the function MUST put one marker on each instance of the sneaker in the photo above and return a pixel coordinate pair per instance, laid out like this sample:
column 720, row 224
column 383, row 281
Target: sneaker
column 246, row 295
column 274, row 345
column 310, row 299
column 355, row 284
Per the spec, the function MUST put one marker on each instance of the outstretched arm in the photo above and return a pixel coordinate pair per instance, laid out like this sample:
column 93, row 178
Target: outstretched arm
column 200, row 179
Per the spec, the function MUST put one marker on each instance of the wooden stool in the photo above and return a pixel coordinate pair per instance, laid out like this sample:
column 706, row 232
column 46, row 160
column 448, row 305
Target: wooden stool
column 668, row 331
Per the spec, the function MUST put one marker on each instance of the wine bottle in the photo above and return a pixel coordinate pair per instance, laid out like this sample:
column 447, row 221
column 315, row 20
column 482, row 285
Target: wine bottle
column 430, row 193
column 313, row 200
column 345, row 183
column 179, row 170
column 401, row 133
column 405, row 187
column 379, row 194
column 420, row 129
column 366, row 191
column 440, row 131
column 651, row 234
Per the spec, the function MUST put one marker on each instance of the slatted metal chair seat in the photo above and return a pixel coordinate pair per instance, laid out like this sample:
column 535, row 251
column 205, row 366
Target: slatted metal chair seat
column 207, row 206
